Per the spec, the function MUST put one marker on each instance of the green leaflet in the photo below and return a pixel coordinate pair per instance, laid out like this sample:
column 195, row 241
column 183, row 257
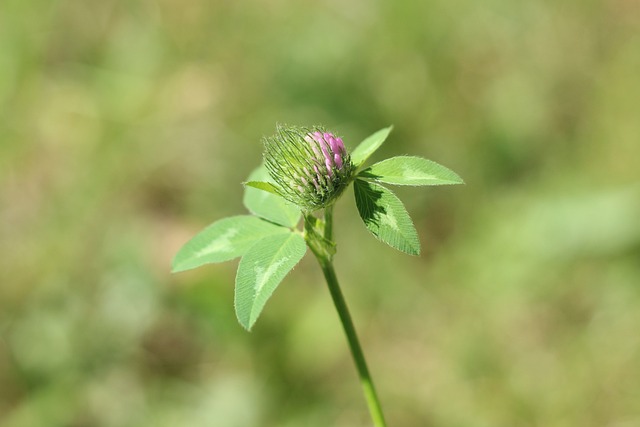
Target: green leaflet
column 409, row 170
column 267, row 205
column 223, row 240
column 367, row 147
column 261, row 270
column 386, row 217
column 264, row 186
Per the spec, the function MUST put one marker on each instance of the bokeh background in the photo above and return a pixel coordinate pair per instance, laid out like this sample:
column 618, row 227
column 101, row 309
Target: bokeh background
column 127, row 126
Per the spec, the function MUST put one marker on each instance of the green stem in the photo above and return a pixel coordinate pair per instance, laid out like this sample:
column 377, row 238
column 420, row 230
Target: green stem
column 356, row 351
column 375, row 409
column 328, row 223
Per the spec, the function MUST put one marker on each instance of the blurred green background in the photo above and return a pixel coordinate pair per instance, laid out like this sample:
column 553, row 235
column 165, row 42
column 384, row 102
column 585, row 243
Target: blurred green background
column 127, row 126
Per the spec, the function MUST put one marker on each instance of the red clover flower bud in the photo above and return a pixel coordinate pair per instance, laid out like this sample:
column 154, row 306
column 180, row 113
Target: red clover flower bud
column 310, row 167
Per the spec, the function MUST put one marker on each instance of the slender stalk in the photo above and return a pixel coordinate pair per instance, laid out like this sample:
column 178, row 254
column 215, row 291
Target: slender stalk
column 375, row 409
column 328, row 223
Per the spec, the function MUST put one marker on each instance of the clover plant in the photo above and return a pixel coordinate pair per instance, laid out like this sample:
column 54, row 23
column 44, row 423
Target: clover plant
column 304, row 173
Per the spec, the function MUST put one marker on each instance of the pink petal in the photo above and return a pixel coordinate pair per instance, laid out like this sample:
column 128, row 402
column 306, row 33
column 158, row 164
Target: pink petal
column 337, row 158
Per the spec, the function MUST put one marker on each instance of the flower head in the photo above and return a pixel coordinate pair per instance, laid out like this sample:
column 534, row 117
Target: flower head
column 310, row 166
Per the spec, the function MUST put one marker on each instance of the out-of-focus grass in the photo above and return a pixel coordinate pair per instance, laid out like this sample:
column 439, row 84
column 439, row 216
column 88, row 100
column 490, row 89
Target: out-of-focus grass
column 126, row 126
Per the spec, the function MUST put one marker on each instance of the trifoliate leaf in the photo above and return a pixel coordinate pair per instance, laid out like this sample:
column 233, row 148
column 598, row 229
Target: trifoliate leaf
column 261, row 270
column 267, row 205
column 409, row 170
column 367, row 147
column 386, row 217
column 224, row 240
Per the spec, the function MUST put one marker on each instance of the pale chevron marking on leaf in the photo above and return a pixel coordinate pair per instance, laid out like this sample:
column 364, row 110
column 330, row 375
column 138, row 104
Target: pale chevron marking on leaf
column 263, row 275
column 415, row 174
column 389, row 218
column 221, row 244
